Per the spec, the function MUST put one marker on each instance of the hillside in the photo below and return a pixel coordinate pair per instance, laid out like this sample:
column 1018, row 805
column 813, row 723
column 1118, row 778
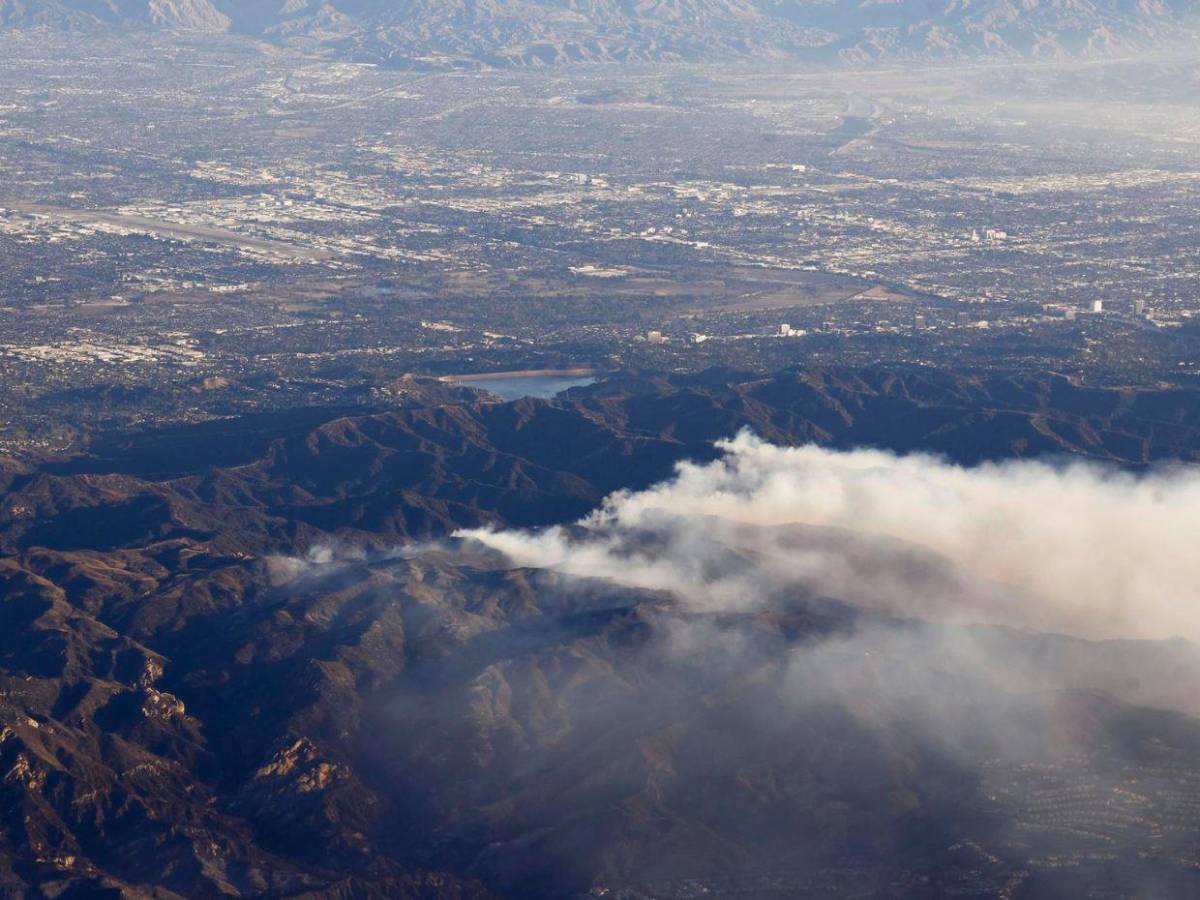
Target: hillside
column 225, row 672
column 553, row 32
column 432, row 466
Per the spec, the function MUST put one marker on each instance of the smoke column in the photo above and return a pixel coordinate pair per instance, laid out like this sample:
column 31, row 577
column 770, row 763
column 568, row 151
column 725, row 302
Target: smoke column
column 1080, row 549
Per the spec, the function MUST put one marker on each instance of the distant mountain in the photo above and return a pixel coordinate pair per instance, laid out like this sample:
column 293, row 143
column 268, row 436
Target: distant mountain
column 191, row 15
column 550, row 32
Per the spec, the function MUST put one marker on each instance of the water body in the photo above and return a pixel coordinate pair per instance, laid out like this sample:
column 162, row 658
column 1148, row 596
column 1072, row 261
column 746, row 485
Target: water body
column 853, row 127
column 515, row 387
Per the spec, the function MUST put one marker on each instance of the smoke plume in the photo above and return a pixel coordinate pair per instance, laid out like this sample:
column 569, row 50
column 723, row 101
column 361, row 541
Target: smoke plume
column 1077, row 548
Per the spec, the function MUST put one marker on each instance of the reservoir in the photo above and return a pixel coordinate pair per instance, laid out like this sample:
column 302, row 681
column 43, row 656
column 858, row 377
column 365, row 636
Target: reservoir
column 516, row 385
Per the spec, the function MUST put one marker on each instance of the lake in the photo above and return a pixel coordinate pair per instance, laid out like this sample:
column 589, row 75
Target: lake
column 516, row 386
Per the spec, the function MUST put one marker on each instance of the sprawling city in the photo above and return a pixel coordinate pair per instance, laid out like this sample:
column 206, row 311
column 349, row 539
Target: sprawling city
column 338, row 224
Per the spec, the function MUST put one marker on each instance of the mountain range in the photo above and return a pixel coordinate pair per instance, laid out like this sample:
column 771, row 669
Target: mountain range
column 550, row 32
column 248, row 658
column 440, row 462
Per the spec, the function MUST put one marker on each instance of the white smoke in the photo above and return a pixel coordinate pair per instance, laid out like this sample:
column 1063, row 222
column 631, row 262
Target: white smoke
column 318, row 560
column 1078, row 548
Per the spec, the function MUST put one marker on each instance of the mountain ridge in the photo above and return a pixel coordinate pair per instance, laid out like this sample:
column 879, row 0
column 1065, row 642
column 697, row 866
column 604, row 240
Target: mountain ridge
column 538, row 33
column 437, row 463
